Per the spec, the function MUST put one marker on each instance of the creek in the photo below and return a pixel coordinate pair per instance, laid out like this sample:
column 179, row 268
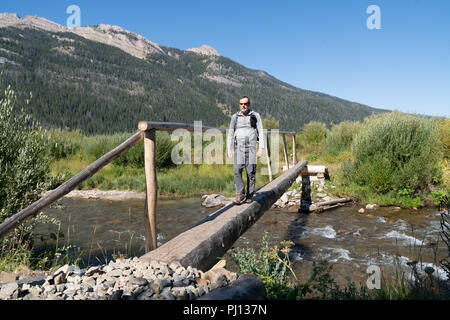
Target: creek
column 96, row 230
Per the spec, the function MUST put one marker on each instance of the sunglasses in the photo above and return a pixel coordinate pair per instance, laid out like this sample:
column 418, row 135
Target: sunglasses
column 244, row 104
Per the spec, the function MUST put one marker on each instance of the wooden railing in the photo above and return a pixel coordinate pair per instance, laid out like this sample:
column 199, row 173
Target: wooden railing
column 148, row 134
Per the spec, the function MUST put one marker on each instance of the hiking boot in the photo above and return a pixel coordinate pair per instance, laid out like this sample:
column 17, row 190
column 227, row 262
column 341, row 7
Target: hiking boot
column 239, row 199
column 249, row 198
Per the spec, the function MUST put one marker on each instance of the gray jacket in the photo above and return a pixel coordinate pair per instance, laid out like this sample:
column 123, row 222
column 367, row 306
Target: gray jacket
column 243, row 130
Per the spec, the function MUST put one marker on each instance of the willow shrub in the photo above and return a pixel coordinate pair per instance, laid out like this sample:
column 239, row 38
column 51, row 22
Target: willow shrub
column 24, row 175
column 443, row 132
column 24, row 165
column 340, row 138
column 63, row 143
column 314, row 134
column 395, row 152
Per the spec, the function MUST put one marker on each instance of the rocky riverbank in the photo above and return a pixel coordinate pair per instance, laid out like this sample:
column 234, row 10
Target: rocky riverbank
column 123, row 279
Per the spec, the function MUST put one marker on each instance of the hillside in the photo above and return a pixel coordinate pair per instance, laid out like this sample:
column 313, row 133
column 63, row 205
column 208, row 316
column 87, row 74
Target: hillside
column 104, row 79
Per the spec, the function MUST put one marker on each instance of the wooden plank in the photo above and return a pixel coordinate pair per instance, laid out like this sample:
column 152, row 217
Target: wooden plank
column 151, row 189
column 202, row 245
column 36, row 207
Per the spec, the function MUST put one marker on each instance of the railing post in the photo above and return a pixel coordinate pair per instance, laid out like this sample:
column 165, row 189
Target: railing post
column 286, row 161
column 151, row 189
column 294, row 154
column 269, row 164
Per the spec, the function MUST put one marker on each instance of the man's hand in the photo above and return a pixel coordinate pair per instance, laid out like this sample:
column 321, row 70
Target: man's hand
column 259, row 153
column 229, row 153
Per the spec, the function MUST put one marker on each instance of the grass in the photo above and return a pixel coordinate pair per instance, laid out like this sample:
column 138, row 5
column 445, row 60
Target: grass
column 178, row 181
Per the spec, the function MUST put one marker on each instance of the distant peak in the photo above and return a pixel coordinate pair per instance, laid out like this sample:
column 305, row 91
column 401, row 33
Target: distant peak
column 8, row 18
column 205, row 50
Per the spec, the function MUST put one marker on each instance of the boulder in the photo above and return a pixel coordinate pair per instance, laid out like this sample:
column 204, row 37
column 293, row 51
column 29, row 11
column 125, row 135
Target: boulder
column 246, row 287
column 9, row 291
column 7, row 277
column 215, row 200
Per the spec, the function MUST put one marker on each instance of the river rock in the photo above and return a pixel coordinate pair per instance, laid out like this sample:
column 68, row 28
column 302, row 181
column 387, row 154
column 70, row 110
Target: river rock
column 361, row 210
column 215, row 200
column 6, row 277
column 93, row 271
column 284, row 198
column 138, row 281
column 167, row 294
column 60, row 278
column 115, row 273
column 9, row 291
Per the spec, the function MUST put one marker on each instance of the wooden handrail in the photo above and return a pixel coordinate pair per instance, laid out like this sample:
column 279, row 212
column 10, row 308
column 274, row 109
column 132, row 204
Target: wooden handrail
column 172, row 126
column 69, row 185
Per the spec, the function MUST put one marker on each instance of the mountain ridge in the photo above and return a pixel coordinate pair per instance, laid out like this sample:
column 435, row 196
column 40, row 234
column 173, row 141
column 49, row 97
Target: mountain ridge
column 105, row 79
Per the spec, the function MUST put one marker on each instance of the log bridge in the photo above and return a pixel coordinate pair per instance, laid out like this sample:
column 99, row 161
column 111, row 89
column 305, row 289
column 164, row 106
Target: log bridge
column 202, row 245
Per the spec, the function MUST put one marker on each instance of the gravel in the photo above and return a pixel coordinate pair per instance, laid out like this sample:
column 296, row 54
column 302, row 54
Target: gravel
column 123, row 279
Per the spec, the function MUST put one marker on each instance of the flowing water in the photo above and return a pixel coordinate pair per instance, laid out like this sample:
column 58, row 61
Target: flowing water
column 350, row 241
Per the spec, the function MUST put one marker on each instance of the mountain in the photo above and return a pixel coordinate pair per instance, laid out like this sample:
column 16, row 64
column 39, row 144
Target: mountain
column 104, row 79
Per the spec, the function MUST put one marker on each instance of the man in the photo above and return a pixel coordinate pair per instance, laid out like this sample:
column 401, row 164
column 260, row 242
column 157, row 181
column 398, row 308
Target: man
column 245, row 131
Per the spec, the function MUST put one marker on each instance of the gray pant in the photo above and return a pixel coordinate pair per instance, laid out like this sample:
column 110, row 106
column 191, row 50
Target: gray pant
column 245, row 157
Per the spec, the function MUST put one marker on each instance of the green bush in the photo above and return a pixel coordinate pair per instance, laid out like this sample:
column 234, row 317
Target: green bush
column 395, row 152
column 63, row 143
column 340, row 138
column 269, row 122
column 443, row 133
column 24, row 166
column 24, row 175
column 314, row 134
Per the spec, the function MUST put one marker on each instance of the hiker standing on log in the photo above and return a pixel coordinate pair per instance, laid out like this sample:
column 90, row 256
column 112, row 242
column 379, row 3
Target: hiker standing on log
column 246, row 130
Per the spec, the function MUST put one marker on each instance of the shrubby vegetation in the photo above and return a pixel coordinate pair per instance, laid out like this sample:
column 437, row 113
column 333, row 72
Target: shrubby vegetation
column 395, row 152
column 389, row 159
column 339, row 140
column 314, row 134
column 24, row 174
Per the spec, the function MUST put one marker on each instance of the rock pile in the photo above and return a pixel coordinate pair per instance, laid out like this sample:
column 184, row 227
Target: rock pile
column 123, row 279
column 288, row 199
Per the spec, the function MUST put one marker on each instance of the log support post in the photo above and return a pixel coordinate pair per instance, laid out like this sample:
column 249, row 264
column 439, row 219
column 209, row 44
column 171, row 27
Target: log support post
column 305, row 201
column 151, row 190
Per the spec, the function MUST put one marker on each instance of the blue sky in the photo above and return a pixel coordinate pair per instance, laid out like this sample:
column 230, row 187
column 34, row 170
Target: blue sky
column 319, row 45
